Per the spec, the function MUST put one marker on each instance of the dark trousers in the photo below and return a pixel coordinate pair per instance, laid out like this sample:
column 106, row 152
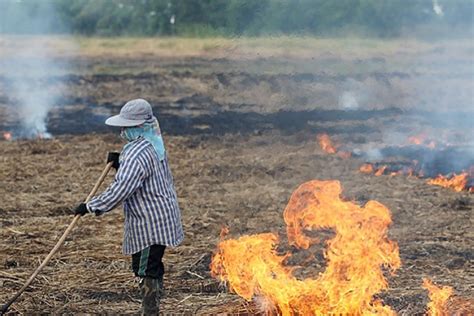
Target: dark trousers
column 149, row 262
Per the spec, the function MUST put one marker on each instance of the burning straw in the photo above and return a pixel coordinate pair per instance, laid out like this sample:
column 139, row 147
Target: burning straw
column 328, row 146
column 355, row 257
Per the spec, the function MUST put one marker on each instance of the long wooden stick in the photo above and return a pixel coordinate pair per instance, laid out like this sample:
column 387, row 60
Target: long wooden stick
column 59, row 243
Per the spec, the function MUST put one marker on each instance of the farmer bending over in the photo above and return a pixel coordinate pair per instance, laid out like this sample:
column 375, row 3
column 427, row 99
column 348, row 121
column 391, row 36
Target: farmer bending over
column 145, row 185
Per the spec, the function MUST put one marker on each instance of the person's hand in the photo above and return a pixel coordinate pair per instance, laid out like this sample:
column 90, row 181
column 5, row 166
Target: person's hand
column 81, row 209
column 114, row 158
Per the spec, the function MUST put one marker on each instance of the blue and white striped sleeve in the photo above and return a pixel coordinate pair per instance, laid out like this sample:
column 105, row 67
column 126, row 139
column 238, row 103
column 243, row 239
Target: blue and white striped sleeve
column 129, row 178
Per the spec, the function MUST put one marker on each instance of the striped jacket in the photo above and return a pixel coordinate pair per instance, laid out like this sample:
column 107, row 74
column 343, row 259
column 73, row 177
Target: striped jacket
column 145, row 185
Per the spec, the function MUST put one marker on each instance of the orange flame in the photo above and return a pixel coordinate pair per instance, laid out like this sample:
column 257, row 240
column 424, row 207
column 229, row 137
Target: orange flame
column 355, row 257
column 456, row 182
column 422, row 139
column 326, row 143
column 417, row 139
column 438, row 298
column 380, row 171
column 224, row 232
column 366, row 168
column 7, row 136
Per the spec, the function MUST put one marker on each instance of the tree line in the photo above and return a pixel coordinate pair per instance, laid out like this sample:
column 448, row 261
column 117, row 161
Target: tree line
column 381, row 18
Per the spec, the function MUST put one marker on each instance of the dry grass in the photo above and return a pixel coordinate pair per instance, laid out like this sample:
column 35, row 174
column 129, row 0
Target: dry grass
column 240, row 181
column 242, row 47
column 245, row 188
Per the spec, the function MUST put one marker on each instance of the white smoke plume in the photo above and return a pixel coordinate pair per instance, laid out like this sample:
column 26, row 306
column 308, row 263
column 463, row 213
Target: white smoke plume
column 27, row 72
column 437, row 8
column 348, row 101
column 28, row 77
column 355, row 95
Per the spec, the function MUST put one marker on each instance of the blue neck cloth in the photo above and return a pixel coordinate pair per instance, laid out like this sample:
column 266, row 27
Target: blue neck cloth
column 149, row 131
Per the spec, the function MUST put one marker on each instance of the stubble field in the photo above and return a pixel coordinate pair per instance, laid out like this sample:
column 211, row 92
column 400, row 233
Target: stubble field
column 240, row 120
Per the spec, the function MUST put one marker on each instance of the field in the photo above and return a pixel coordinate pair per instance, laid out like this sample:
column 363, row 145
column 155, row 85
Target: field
column 240, row 119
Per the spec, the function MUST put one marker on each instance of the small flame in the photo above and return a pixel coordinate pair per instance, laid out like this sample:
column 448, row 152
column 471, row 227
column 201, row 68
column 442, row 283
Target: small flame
column 326, row 143
column 456, row 182
column 380, row 171
column 422, row 139
column 329, row 147
column 366, row 168
column 26, row 134
column 416, row 140
column 355, row 257
column 438, row 298
column 44, row 135
column 224, row 232
column 7, row 136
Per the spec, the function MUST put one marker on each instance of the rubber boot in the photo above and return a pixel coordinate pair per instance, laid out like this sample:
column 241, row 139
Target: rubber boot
column 149, row 290
column 161, row 288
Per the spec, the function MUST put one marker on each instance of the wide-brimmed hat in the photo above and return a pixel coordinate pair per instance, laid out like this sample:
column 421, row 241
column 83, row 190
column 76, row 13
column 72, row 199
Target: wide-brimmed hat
column 133, row 113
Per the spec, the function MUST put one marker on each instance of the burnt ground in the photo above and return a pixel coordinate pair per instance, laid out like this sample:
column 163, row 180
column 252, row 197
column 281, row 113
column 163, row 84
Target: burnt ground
column 241, row 137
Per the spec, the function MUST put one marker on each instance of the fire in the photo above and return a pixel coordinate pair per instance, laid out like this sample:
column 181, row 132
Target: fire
column 456, row 182
column 7, row 136
column 329, row 147
column 366, row 168
column 369, row 168
column 380, row 171
column 326, row 143
column 438, row 298
column 26, row 134
column 417, row 140
column 422, row 139
column 355, row 257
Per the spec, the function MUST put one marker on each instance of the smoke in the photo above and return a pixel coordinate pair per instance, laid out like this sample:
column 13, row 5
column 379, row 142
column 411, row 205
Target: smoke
column 28, row 67
column 30, row 99
column 355, row 95
column 437, row 8
column 348, row 101
column 430, row 83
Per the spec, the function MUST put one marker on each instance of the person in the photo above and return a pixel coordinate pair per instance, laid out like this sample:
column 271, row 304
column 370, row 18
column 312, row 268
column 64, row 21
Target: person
column 144, row 183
